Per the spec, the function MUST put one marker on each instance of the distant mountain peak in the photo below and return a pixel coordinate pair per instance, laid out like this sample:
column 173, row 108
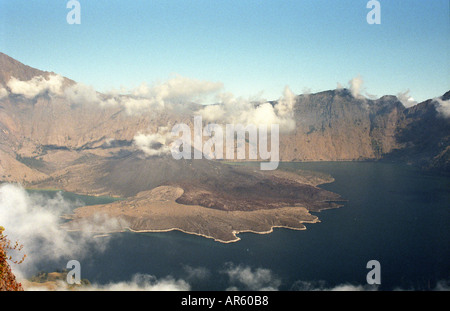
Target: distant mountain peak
column 9, row 67
column 446, row 96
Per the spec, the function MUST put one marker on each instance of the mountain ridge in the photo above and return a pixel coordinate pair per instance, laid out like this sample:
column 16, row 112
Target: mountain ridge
column 331, row 125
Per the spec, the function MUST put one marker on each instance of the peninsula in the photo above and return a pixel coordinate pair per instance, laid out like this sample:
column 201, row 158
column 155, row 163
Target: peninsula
column 161, row 210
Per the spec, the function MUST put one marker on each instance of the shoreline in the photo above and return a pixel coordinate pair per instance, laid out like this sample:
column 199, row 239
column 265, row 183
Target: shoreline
column 234, row 232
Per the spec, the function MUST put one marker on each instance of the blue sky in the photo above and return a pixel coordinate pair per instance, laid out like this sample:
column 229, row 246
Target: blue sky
column 252, row 47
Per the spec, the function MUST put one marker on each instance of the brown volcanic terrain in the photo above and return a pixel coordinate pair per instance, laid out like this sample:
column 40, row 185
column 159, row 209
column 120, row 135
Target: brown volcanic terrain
column 157, row 210
column 249, row 191
column 72, row 140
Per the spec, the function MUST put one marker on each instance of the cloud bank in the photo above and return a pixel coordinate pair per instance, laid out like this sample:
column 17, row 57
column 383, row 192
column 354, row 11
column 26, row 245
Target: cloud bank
column 139, row 282
column 35, row 221
column 175, row 92
column 232, row 110
column 38, row 85
column 80, row 93
column 246, row 278
column 145, row 282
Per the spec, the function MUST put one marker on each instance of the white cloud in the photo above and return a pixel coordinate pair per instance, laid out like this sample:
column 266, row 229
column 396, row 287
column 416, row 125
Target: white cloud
column 349, row 288
column 407, row 100
column 81, row 94
column 35, row 221
column 144, row 282
column 137, row 105
column 442, row 107
column 356, row 86
column 174, row 92
column 139, row 282
column 169, row 94
column 321, row 286
column 234, row 110
column 155, row 144
column 37, row 86
column 357, row 90
column 246, row 278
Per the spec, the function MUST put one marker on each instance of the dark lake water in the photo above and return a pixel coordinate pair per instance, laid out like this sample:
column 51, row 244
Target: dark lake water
column 394, row 214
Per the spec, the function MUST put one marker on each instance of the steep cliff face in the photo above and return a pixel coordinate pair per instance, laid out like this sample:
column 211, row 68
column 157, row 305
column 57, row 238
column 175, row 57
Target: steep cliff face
column 334, row 126
column 424, row 136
